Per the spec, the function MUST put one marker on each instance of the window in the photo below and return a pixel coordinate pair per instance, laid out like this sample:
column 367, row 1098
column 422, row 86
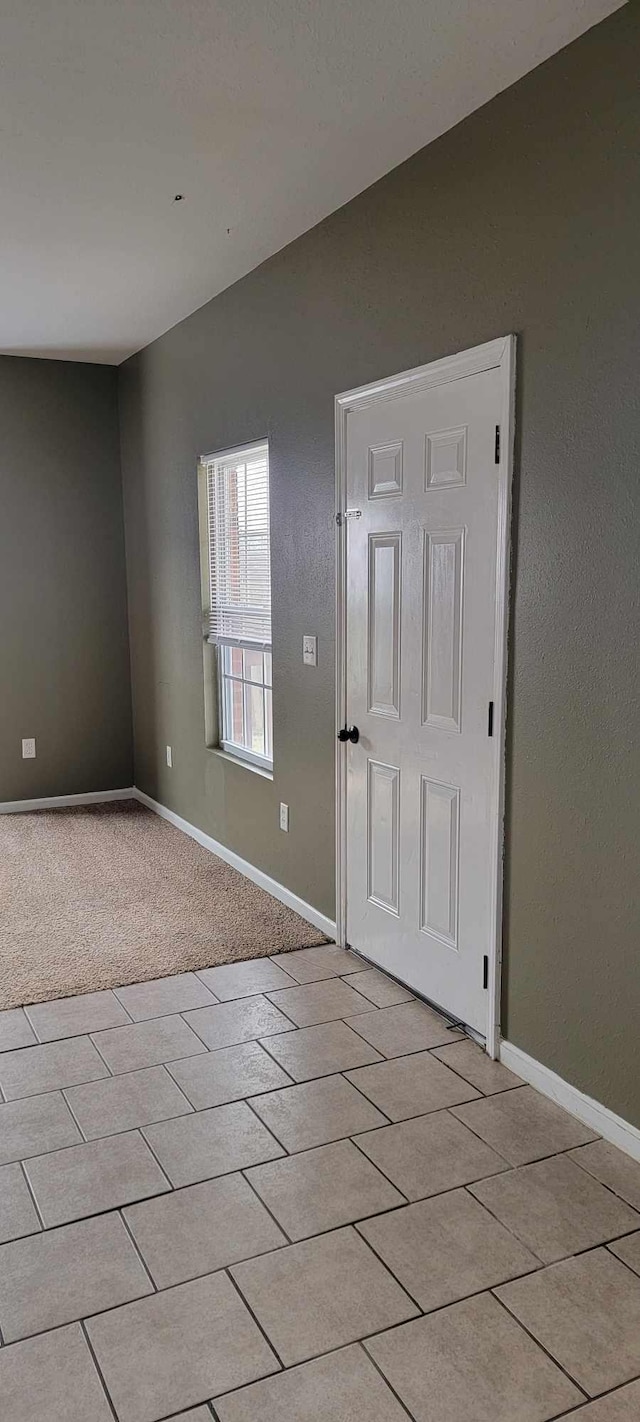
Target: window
column 239, row 598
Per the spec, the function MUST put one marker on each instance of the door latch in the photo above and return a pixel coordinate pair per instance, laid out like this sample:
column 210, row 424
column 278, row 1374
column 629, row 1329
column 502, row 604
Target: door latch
column 348, row 513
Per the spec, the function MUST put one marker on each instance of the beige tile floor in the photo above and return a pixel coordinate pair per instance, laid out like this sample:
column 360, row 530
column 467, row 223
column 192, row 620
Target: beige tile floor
column 284, row 1191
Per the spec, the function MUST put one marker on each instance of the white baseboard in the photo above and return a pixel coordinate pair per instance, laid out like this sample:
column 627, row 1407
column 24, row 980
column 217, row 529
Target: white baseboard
column 57, row 802
column 277, row 891
column 598, row 1117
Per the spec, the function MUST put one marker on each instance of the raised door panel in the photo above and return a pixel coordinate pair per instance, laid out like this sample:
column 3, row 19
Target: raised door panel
column 385, row 469
column 383, row 835
column 439, row 859
column 442, row 629
column 446, row 459
column 384, row 621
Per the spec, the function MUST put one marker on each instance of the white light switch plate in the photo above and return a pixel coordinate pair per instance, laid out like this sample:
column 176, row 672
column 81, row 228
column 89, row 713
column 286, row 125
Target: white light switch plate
column 310, row 651
column 29, row 748
column 169, row 757
column 284, row 817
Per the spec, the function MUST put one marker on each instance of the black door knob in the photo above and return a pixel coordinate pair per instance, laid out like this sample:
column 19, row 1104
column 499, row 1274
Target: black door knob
column 349, row 733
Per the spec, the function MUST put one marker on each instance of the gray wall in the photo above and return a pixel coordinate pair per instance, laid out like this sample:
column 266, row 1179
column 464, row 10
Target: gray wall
column 64, row 661
column 525, row 218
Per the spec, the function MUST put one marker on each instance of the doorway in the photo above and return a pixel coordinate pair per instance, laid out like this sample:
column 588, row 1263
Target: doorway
column 423, row 467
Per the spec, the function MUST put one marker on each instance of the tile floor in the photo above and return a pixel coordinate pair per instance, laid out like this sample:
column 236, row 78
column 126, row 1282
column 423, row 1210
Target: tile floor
column 285, row 1191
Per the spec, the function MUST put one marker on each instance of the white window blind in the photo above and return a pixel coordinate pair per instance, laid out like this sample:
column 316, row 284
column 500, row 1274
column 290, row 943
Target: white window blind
column 239, row 547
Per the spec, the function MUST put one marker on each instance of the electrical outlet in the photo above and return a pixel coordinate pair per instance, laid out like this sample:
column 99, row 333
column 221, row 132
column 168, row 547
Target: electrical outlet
column 310, row 651
column 284, row 817
column 29, row 748
column 169, row 757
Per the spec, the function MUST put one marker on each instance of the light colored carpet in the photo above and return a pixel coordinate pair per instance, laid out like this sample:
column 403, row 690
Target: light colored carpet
column 104, row 895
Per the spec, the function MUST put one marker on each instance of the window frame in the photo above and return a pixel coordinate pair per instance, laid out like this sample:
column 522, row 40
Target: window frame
column 231, row 747
column 217, row 727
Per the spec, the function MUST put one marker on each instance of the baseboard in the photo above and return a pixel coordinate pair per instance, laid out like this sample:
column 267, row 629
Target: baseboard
column 277, row 891
column 598, row 1117
column 57, row 802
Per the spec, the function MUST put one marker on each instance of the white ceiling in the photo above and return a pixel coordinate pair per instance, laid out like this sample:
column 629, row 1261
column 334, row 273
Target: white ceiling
column 265, row 114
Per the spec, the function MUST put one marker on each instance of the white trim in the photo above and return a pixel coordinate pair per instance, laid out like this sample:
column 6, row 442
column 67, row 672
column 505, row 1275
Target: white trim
column 499, row 353
column 271, row 886
column 598, row 1117
column 57, row 802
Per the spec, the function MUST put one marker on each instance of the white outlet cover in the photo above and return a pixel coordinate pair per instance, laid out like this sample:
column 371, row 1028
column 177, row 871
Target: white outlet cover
column 284, row 817
column 28, row 748
column 169, row 757
column 310, row 651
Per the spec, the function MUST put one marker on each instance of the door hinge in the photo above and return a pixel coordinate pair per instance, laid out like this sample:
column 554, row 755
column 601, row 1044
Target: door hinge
column 497, row 446
column 348, row 513
column 485, row 971
column 490, row 720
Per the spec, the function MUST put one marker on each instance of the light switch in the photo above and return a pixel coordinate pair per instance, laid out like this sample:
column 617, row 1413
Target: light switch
column 310, row 651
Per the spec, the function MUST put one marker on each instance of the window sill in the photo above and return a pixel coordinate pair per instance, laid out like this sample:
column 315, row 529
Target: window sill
column 239, row 760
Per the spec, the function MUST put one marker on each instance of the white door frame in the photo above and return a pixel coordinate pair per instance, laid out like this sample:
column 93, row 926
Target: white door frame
column 499, row 354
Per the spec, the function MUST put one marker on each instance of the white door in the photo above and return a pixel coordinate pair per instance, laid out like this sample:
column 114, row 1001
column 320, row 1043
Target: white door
column 425, row 493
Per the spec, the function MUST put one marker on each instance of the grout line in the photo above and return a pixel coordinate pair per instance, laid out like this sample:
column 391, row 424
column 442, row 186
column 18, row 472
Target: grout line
column 221, row 1174
column 242, row 1041
column 265, row 1206
column 138, row 1251
column 124, row 1130
column 192, row 1028
column 389, row 1270
column 31, row 1192
column 85, row 1139
column 194, row 1406
column 256, row 1320
column 333, row 1071
column 377, row 1167
column 330, row 1229
column 397, row 1056
column 107, row 1209
column 70, row 1036
column 97, row 1367
column 38, row 1042
column 124, row 1009
column 214, row 1051
column 486, row 1095
column 269, row 998
column 316, row 1145
column 95, row 1044
column 232, row 1101
column 433, row 1195
column 467, row 1187
column 514, row 1318
column 386, row 1380
column 548, row 1155
column 166, row 1061
column 452, row 1023
column 140, row 1131
column 287, row 1153
column 368, row 1005
column 404, row 1120
column 597, row 1179
column 573, row 1253
column 387, row 1119
column 263, row 1043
